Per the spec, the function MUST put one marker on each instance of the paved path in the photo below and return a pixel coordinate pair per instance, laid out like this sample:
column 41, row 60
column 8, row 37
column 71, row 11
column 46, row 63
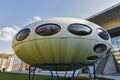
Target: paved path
column 111, row 76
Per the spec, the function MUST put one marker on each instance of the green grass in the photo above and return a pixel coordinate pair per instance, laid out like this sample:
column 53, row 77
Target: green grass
column 17, row 76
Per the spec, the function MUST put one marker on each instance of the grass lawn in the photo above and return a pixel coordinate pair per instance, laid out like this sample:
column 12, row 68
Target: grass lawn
column 17, row 76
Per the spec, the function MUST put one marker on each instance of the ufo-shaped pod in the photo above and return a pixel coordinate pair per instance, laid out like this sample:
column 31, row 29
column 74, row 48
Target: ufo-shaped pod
column 61, row 40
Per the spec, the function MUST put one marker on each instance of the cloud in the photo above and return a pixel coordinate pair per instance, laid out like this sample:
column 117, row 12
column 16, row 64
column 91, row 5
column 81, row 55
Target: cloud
column 7, row 33
column 37, row 18
column 34, row 19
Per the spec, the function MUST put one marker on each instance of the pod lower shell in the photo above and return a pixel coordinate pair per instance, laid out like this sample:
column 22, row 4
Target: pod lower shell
column 57, row 50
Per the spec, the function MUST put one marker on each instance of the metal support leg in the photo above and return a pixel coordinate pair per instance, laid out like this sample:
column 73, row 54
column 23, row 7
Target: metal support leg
column 33, row 73
column 75, row 66
column 89, row 73
column 53, row 78
column 29, row 72
column 57, row 75
column 65, row 75
column 94, row 72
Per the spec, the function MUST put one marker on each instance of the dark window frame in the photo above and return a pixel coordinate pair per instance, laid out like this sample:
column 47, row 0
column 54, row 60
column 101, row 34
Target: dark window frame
column 104, row 36
column 21, row 32
column 92, row 58
column 100, row 46
column 58, row 26
column 86, row 26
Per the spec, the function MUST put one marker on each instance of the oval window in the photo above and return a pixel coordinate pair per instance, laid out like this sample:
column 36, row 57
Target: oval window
column 103, row 34
column 47, row 29
column 79, row 29
column 92, row 58
column 22, row 34
column 99, row 48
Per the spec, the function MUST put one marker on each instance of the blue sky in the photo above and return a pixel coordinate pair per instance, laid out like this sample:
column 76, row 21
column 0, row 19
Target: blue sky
column 15, row 14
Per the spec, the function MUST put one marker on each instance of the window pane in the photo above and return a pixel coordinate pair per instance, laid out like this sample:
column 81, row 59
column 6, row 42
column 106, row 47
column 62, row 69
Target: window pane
column 22, row 34
column 104, row 35
column 92, row 58
column 79, row 29
column 99, row 48
column 47, row 29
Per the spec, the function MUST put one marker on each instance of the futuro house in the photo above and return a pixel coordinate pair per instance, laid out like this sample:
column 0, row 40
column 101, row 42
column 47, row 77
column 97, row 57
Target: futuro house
column 61, row 40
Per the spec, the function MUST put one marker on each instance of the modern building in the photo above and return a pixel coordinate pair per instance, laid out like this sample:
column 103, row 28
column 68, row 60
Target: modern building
column 19, row 65
column 110, row 20
column 6, row 62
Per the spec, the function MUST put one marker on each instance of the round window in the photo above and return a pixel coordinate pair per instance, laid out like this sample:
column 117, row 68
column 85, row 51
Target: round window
column 79, row 29
column 47, row 29
column 99, row 48
column 22, row 34
column 103, row 34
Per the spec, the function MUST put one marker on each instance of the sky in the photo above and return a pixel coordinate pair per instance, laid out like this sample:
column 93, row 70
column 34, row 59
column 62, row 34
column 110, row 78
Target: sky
column 15, row 14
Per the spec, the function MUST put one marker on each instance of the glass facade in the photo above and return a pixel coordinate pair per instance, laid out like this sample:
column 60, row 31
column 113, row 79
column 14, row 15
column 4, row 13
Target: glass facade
column 116, row 48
